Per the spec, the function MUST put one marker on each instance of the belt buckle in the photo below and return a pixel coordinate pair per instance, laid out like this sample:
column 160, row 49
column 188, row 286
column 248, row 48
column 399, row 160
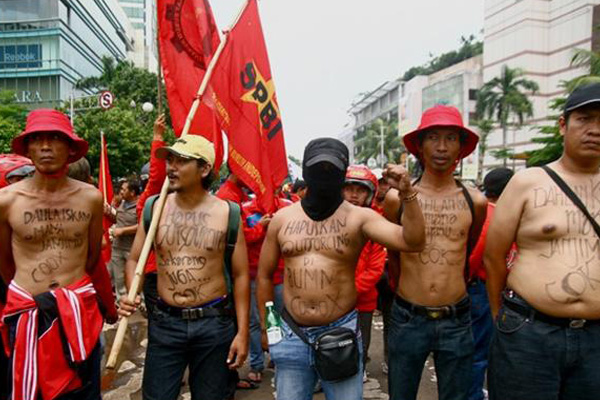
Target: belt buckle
column 185, row 313
column 437, row 312
column 577, row 323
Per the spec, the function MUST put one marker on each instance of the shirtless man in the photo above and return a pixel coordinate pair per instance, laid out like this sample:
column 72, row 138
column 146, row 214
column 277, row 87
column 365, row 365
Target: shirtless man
column 547, row 341
column 431, row 311
column 50, row 236
column 193, row 322
column 320, row 239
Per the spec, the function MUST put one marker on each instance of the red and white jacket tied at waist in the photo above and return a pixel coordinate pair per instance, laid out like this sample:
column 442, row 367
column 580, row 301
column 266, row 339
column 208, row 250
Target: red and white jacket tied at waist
column 44, row 351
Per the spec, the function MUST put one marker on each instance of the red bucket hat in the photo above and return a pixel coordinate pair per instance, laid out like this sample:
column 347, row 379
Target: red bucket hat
column 445, row 116
column 45, row 120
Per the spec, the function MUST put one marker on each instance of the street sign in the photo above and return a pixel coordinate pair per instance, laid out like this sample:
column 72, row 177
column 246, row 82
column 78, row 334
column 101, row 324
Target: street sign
column 106, row 99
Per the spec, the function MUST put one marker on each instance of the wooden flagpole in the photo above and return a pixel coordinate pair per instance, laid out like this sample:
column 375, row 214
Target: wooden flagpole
column 139, row 269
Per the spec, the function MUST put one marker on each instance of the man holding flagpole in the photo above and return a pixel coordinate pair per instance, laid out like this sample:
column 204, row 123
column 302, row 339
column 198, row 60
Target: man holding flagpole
column 200, row 319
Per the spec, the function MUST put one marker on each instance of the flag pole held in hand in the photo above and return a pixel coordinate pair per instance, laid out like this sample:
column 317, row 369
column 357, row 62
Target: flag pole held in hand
column 139, row 269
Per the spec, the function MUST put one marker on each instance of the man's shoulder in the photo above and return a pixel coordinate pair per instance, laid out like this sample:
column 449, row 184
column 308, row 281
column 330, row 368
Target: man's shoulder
column 527, row 179
column 479, row 200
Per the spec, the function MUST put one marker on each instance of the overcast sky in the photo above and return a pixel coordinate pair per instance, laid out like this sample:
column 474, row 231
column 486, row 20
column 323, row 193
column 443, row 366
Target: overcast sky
column 324, row 53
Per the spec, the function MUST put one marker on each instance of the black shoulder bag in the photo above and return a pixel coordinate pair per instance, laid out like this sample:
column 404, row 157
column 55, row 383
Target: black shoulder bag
column 336, row 351
column 574, row 198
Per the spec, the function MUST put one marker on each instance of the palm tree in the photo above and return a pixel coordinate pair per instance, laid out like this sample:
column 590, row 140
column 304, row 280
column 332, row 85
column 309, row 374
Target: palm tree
column 370, row 143
column 503, row 97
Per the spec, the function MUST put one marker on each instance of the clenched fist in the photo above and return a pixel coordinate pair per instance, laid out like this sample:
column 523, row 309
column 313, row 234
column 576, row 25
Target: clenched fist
column 398, row 178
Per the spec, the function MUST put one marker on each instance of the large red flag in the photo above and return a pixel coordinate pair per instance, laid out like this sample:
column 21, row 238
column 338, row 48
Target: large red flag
column 105, row 186
column 242, row 94
column 188, row 37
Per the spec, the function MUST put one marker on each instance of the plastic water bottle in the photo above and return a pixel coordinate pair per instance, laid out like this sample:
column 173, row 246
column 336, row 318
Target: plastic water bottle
column 273, row 323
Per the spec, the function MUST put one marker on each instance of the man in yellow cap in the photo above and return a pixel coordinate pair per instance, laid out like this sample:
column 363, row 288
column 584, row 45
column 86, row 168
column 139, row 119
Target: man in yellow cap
column 431, row 310
column 203, row 281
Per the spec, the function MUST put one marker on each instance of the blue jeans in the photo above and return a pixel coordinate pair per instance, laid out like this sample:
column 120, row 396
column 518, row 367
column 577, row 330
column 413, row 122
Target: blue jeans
column 531, row 359
column 482, row 325
column 295, row 375
column 174, row 344
column 412, row 337
column 257, row 356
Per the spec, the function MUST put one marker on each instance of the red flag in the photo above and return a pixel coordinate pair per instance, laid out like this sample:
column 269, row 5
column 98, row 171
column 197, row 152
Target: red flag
column 243, row 96
column 105, row 186
column 188, row 37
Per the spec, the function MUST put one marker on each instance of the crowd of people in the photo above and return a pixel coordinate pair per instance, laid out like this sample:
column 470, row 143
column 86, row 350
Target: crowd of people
column 501, row 282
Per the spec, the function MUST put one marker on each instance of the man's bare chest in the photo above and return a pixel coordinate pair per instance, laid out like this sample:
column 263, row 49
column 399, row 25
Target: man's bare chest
column 332, row 237
column 190, row 232
column 50, row 227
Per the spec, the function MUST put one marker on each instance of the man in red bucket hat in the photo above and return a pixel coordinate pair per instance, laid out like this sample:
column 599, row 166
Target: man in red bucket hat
column 50, row 235
column 431, row 310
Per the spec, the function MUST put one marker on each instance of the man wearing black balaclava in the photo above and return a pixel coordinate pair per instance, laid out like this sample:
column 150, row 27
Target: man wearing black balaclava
column 320, row 239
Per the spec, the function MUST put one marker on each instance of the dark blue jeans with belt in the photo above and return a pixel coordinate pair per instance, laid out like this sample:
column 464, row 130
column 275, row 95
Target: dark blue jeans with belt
column 175, row 343
column 413, row 337
column 532, row 359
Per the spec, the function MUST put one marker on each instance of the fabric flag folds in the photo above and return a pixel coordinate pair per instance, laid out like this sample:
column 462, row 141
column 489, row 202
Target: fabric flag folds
column 242, row 93
column 105, row 186
column 188, row 37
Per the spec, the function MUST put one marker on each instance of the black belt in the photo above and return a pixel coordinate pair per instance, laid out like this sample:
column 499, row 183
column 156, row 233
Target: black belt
column 535, row 315
column 439, row 312
column 475, row 281
column 192, row 313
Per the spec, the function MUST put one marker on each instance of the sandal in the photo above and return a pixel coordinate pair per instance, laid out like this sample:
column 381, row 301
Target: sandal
column 246, row 384
column 255, row 376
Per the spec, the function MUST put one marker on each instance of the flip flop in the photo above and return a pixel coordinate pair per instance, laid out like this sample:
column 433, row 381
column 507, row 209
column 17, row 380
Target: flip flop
column 246, row 384
column 254, row 376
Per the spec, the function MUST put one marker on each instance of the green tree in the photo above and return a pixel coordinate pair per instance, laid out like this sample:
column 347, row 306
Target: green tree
column 369, row 143
column 128, row 130
column 551, row 139
column 469, row 48
column 12, row 120
column 503, row 98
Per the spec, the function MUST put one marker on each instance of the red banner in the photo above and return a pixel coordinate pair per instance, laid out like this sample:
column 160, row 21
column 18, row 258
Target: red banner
column 242, row 93
column 105, row 186
column 188, row 38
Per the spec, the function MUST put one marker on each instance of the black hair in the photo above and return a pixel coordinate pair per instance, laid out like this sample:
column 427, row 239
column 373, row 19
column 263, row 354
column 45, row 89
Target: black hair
column 210, row 178
column 134, row 186
column 80, row 170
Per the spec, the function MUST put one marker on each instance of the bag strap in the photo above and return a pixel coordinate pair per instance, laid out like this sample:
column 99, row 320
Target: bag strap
column 233, row 225
column 147, row 213
column 469, row 200
column 295, row 328
column 571, row 195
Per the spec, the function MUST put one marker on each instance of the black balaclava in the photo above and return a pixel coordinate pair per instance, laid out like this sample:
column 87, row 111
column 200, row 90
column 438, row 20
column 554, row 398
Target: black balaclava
column 324, row 170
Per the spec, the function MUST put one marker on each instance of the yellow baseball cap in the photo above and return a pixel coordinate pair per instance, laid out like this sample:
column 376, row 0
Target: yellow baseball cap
column 195, row 147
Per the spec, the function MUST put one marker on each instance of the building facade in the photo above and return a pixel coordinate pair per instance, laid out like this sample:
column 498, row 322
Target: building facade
column 539, row 37
column 47, row 45
column 379, row 103
column 142, row 15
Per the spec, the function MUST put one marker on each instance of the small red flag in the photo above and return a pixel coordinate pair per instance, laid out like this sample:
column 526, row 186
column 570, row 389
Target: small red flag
column 188, row 37
column 242, row 93
column 105, row 186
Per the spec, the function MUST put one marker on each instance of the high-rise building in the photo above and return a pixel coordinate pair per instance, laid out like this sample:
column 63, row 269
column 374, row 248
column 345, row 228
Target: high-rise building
column 46, row 46
column 539, row 37
column 142, row 14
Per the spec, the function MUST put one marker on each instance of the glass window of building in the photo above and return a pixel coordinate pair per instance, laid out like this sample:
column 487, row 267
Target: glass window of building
column 23, row 10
